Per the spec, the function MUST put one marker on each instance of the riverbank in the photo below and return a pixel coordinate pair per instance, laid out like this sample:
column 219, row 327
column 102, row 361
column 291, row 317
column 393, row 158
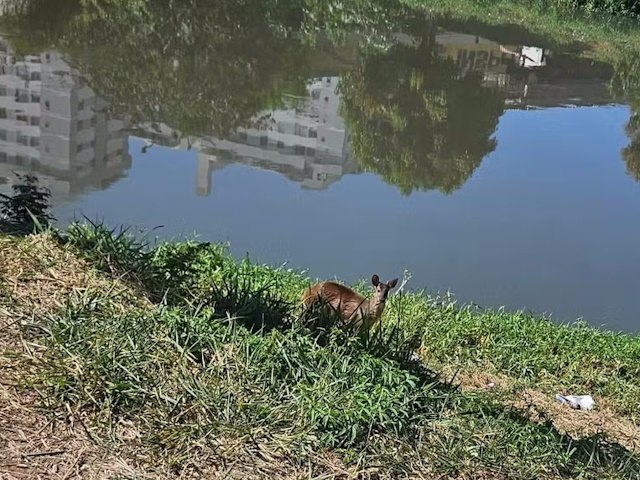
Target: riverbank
column 178, row 360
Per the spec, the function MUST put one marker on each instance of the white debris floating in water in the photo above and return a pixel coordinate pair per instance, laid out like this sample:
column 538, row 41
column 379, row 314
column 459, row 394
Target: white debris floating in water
column 579, row 402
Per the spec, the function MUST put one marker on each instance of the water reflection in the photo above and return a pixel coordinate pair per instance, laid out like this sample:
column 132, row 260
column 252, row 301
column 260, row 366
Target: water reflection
column 201, row 69
column 306, row 140
column 631, row 153
column 405, row 98
column 416, row 118
column 625, row 85
column 421, row 113
column 530, row 76
column 415, row 134
column 53, row 124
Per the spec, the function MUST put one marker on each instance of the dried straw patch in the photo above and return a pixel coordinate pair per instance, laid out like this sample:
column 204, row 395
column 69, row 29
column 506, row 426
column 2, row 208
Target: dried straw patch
column 239, row 459
column 33, row 447
column 580, row 423
column 539, row 405
column 37, row 276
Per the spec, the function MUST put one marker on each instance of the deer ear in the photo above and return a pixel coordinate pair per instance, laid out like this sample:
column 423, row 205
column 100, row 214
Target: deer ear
column 375, row 280
column 393, row 283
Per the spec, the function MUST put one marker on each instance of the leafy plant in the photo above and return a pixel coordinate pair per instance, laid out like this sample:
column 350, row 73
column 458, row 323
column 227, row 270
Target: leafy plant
column 27, row 209
column 235, row 296
column 113, row 250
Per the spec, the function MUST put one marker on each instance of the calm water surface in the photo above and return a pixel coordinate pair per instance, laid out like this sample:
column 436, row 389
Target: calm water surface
column 501, row 170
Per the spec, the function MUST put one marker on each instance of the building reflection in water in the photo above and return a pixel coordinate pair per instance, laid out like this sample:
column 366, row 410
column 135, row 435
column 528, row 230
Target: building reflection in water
column 306, row 141
column 54, row 126
column 532, row 77
column 52, row 123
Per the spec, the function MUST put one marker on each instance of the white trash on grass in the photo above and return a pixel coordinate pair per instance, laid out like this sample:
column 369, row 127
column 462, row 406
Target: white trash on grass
column 579, row 402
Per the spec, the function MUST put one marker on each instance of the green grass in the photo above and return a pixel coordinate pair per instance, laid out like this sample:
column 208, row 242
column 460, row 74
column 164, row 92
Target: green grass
column 528, row 347
column 186, row 381
column 225, row 356
column 533, row 350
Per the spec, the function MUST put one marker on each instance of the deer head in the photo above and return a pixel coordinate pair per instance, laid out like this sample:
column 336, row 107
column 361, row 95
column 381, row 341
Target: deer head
column 382, row 289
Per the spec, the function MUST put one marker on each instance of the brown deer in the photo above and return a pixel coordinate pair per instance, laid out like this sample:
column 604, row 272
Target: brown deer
column 353, row 309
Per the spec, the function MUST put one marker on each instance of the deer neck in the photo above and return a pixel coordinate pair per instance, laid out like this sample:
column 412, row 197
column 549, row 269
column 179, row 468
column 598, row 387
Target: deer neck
column 375, row 306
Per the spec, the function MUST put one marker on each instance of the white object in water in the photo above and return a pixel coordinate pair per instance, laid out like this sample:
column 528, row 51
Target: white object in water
column 580, row 402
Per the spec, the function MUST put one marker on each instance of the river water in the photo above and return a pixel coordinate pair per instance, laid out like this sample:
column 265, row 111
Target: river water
column 501, row 168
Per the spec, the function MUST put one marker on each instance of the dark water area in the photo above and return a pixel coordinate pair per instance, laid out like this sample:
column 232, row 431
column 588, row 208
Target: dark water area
column 489, row 162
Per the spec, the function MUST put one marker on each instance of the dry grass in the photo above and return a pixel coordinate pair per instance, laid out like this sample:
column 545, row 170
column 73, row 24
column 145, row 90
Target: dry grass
column 32, row 446
column 541, row 405
column 36, row 276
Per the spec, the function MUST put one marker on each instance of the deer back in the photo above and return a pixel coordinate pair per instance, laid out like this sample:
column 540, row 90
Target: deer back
column 349, row 304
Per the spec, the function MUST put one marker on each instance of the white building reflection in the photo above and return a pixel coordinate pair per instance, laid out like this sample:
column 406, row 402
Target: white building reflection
column 306, row 140
column 54, row 126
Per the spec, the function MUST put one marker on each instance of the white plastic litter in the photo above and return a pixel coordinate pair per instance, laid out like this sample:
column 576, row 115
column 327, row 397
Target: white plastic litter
column 579, row 402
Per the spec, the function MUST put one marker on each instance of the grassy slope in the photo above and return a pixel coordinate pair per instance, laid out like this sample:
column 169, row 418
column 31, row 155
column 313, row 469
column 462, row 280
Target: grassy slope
column 153, row 364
